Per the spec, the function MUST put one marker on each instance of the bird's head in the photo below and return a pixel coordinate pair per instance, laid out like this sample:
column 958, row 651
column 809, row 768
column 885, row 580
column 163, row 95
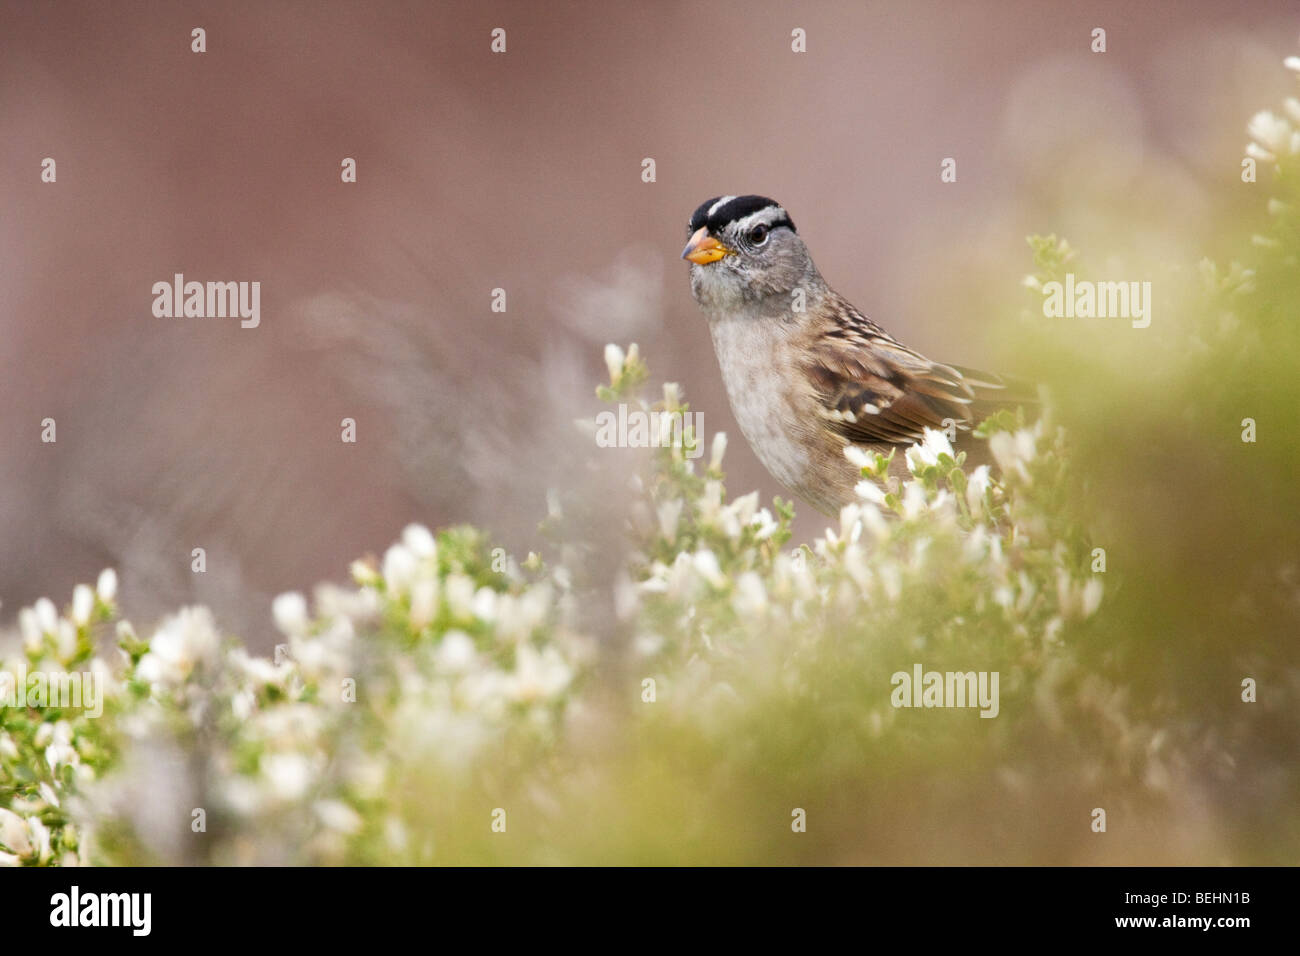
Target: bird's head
column 742, row 249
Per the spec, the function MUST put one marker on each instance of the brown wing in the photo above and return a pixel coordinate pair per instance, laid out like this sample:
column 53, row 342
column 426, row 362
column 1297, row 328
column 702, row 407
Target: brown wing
column 877, row 391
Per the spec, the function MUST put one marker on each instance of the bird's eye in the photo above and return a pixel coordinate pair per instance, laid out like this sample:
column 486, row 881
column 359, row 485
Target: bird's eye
column 758, row 235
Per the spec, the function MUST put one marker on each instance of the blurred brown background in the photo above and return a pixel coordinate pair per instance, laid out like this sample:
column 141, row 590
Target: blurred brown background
column 519, row 171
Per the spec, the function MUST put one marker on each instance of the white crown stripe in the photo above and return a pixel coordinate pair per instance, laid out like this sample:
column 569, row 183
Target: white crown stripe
column 719, row 204
column 764, row 217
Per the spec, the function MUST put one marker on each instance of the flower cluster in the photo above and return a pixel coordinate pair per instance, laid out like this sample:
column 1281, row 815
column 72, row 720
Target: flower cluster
column 448, row 667
column 1273, row 136
column 711, row 584
column 436, row 659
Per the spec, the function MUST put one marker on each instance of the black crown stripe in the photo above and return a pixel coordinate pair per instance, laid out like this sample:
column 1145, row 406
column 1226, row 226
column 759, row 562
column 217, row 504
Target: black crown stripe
column 737, row 208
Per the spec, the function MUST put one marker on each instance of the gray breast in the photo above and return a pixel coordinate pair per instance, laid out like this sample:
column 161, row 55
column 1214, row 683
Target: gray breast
column 758, row 388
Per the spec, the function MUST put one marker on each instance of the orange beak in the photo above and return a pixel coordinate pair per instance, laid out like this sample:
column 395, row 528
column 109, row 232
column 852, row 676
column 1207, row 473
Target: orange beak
column 703, row 248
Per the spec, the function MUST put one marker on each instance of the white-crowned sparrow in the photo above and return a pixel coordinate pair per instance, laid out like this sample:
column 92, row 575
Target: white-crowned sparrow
column 807, row 373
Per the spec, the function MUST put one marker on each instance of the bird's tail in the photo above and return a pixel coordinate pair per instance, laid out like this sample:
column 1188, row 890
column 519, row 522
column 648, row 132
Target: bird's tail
column 993, row 393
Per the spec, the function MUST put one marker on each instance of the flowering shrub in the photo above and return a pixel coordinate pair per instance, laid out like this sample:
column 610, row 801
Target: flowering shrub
column 449, row 669
column 684, row 694
column 434, row 658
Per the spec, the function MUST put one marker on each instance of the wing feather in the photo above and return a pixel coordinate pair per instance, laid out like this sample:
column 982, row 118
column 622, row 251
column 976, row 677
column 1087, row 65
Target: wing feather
column 876, row 391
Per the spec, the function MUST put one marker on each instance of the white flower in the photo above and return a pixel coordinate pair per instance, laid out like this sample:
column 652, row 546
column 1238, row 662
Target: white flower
column 914, row 502
column 41, row 837
column 657, row 582
column 65, row 636
column 242, row 704
column 765, row 524
column 1270, row 131
column 30, row 628
column 856, row 566
column 870, row 491
column 1255, row 151
column 290, row 613
column 338, row 816
column 289, row 775
column 736, row 515
column 106, row 586
column 83, row 604
column 182, row 642
column 680, row 578
column 614, row 361
column 456, row 653
column 745, row 507
column 1013, row 451
column 668, row 513
column 709, row 507
column 936, row 443
column 363, row 574
column 750, row 597
column 518, row 617
column 258, row 670
column 891, row 580
column 1091, row 598
column 850, row 523
column 719, row 449
column 706, row 565
column 61, row 751
column 399, row 568
column 485, row 604
column 424, row 602
column 14, row 833
column 858, row 457
column 664, row 423
column 537, row 676
column 1292, row 63
column 47, row 616
column 460, row 595
column 359, row 606
column 420, row 540
column 976, row 485
column 927, row 451
column 875, row 522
